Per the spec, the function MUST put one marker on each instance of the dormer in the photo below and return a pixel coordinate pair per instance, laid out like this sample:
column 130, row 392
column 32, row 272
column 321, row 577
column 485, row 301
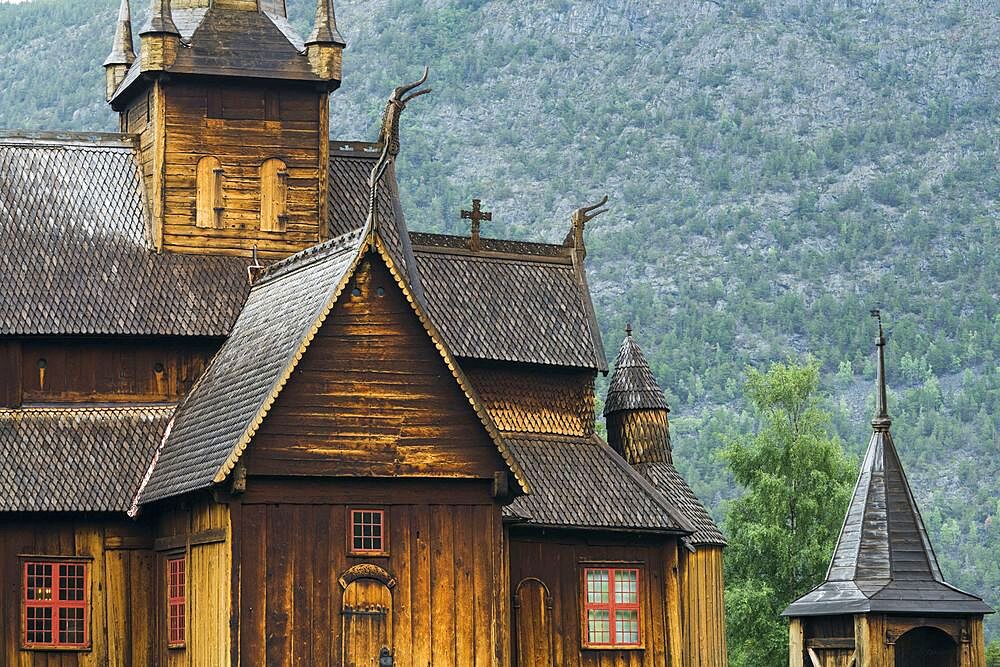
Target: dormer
column 230, row 110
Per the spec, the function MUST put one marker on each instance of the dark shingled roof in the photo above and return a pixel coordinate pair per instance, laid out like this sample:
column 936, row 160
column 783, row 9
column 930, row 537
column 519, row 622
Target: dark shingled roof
column 582, row 483
column 884, row 561
column 72, row 459
column 232, row 42
column 497, row 305
column 225, row 405
column 669, row 482
column 633, row 386
column 73, row 250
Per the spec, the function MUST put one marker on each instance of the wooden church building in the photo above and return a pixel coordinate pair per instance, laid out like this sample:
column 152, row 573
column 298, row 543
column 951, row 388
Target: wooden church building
column 248, row 418
column 884, row 602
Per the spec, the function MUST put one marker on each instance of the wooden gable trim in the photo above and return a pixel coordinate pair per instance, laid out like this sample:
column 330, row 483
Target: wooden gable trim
column 373, row 241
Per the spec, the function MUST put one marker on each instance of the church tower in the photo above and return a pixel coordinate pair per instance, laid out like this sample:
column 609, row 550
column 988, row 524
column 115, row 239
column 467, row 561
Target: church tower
column 884, row 602
column 636, row 415
column 229, row 108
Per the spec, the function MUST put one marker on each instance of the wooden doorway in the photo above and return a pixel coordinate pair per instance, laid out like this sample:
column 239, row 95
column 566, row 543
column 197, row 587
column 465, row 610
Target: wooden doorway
column 366, row 613
column 533, row 629
column 926, row 647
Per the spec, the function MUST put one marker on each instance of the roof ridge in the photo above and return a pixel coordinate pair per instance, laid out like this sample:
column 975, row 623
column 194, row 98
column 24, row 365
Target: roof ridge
column 118, row 140
column 89, row 408
column 306, row 257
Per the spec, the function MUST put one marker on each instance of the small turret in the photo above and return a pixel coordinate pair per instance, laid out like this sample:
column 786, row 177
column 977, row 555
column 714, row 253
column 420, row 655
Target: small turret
column 325, row 46
column 160, row 38
column 122, row 52
column 635, row 410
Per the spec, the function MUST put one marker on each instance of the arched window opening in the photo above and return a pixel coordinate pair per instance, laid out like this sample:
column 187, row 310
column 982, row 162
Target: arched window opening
column 273, row 195
column 209, row 196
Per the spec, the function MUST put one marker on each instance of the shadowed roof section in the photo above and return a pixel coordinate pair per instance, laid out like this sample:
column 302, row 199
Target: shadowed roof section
column 74, row 254
column 580, row 482
column 76, row 459
column 509, row 301
column 225, row 405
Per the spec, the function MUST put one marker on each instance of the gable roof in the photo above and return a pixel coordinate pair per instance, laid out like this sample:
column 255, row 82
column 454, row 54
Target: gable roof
column 285, row 309
column 74, row 254
column 73, row 459
column 509, row 301
column 884, row 561
column 580, row 482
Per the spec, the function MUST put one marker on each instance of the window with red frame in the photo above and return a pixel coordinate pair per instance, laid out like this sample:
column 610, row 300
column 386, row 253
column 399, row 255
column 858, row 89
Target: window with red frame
column 176, row 600
column 367, row 536
column 611, row 607
column 56, row 605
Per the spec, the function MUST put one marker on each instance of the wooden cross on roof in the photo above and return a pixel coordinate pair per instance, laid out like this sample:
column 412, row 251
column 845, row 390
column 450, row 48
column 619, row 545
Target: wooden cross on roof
column 476, row 215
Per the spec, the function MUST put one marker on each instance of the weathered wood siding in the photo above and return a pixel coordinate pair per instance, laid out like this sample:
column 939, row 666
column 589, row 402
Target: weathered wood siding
column 204, row 534
column 121, row 566
column 444, row 554
column 242, row 127
column 373, row 397
column 703, row 609
column 106, row 371
column 556, row 561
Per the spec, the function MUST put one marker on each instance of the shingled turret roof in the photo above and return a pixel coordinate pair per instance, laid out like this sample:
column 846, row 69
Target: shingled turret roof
column 884, row 561
column 633, row 386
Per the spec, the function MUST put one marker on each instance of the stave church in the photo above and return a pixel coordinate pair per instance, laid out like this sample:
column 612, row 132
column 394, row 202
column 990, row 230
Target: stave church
column 248, row 418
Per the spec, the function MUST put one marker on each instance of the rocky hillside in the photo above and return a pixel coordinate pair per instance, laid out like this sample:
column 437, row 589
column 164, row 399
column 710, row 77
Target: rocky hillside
column 776, row 169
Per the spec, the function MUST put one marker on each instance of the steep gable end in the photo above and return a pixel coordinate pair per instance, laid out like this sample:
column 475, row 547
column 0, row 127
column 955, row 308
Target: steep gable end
column 373, row 397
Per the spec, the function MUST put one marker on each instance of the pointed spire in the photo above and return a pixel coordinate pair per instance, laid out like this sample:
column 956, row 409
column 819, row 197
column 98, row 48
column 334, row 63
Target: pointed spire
column 160, row 21
column 881, row 422
column 122, row 51
column 325, row 29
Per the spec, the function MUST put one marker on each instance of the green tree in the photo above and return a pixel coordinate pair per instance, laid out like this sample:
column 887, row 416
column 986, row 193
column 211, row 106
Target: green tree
column 796, row 481
column 993, row 654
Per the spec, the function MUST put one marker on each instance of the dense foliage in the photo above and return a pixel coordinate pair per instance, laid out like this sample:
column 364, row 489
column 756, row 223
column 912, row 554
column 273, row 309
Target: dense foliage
column 796, row 481
column 775, row 168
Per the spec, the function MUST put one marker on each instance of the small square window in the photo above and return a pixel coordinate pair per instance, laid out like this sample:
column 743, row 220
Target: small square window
column 367, row 532
column 611, row 608
column 176, row 600
column 56, row 605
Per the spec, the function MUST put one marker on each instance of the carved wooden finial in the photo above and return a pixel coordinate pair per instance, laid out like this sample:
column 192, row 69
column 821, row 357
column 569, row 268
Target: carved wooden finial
column 255, row 269
column 581, row 217
column 476, row 215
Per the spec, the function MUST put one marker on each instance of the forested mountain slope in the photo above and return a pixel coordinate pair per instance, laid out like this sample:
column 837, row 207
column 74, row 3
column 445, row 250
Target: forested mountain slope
column 776, row 169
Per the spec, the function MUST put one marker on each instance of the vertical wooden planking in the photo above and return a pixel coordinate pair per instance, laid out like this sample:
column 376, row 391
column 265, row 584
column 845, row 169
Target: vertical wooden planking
column 302, row 587
column 119, row 607
column 463, row 521
column 443, row 610
column 421, row 587
column 321, row 620
column 253, row 585
column 400, row 542
column 486, row 596
column 279, row 575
